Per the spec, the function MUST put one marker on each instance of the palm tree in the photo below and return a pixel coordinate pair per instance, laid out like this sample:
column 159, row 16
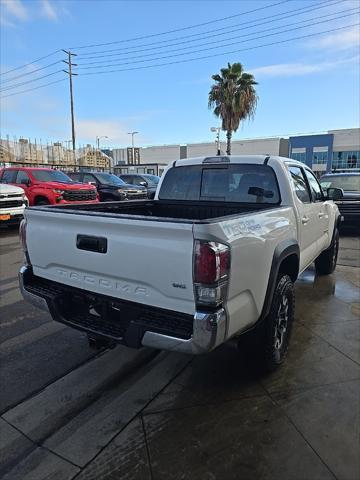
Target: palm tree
column 233, row 97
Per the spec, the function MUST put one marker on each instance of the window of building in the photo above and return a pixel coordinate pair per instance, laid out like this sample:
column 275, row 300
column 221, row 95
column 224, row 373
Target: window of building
column 299, row 156
column 320, row 158
column 315, row 188
column 301, row 188
column 345, row 160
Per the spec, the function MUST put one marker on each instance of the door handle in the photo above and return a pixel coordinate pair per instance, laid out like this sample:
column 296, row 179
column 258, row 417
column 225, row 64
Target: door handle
column 321, row 214
column 305, row 220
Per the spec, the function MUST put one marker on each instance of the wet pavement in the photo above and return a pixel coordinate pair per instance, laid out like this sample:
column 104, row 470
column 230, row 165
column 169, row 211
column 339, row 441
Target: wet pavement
column 125, row 414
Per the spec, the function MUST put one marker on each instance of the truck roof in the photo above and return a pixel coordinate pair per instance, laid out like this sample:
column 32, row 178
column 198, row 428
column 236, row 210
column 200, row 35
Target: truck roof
column 260, row 159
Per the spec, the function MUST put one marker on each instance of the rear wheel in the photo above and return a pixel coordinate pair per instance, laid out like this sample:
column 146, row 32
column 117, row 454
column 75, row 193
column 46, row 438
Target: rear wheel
column 278, row 324
column 326, row 261
column 266, row 346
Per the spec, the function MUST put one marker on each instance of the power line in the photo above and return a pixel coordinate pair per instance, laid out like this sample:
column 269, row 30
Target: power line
column 181, row 29
column 210, row 48
column 30, row 73
column 283, row 14
column 29, row 81
column 98, row 63
column 222, row 53
column 31, row 89
column 31, row 63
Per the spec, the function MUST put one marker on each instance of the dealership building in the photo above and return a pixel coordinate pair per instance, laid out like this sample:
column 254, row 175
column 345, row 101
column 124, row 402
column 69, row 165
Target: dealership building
column 336, row 150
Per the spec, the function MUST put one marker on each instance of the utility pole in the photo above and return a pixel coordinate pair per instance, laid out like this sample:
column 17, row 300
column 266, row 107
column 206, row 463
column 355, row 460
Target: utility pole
column 70, row 73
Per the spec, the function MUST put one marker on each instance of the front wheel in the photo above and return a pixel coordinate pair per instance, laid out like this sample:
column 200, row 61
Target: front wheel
column 278, row 324
column 326, row 261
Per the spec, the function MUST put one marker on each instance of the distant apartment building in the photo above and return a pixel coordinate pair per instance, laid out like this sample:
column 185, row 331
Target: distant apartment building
column 90, row 157
column 60, row 156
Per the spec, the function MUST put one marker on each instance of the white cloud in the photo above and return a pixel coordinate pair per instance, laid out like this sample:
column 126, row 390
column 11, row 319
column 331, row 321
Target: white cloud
column 88, row 130
column 6, row 23
column 341, row 40
column 298, row 69
column 48, row 10
column 14, row 8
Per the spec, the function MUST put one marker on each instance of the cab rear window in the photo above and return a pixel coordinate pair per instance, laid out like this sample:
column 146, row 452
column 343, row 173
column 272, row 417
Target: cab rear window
column 243, row 183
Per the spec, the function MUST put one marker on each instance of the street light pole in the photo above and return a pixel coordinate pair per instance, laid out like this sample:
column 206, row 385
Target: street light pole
column 217, row 129
column 133, row 145
column 98, row 140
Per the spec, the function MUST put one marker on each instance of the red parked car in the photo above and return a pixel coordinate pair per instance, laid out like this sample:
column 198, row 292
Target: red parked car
column 45, row 186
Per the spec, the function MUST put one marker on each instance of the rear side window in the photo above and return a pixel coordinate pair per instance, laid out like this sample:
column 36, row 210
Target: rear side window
column 230, row 183
column 22, row 177
column 9, row 176
column 300, row 185
column 75, row 176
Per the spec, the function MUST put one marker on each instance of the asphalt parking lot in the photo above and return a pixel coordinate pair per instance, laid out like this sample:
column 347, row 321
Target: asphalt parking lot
column 70, row 412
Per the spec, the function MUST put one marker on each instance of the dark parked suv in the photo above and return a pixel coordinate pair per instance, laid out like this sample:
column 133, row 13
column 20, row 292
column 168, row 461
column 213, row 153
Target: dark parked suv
column 109, row 186
column 150, row 182
column 349, row 203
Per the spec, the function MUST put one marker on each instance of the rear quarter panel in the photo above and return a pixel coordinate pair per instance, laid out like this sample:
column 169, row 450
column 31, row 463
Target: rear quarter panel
column 253, row 239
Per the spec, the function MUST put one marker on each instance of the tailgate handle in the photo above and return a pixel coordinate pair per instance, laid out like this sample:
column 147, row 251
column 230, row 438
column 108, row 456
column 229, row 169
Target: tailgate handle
column 91, row 244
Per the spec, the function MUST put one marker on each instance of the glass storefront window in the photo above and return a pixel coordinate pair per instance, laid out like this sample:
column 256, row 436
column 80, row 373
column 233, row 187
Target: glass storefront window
column 300, row 157
column 345, row 160
column 320, row 157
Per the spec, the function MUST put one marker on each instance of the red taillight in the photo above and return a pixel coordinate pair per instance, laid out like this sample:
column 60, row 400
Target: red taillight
column 212, row 262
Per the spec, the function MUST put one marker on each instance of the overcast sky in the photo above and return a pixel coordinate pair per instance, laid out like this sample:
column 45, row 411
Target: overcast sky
column 305, row 85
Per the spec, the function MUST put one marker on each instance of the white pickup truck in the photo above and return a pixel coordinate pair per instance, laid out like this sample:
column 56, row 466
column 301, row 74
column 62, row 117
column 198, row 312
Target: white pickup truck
column 213, row 256
column 12, row 205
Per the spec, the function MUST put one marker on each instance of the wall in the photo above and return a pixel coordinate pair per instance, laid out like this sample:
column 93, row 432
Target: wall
column 310, row 144
column 266, row 146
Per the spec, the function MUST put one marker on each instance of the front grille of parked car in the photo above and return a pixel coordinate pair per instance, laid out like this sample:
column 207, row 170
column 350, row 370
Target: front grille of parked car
column 11, row 203
column 136, row 194
column 79, row 195
column 349, row 206
column 10, row 195
column 108, row 316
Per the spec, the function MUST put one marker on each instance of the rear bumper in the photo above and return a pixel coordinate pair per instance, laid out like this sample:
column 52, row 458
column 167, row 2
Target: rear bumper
column 208, row 329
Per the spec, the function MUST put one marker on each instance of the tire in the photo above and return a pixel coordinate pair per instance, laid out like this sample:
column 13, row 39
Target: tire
column 325, row 264
column 42, row 202
column 260, row 349
column 278, row 325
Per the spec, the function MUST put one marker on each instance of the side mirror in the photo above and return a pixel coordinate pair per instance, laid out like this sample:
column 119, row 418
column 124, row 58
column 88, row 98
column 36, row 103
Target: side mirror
column 92, row 183
column 26, row 182
column 335, row 193
column 144, row 184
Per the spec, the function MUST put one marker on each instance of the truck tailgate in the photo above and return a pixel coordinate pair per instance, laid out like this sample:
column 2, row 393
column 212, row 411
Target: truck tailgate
column 148, row 262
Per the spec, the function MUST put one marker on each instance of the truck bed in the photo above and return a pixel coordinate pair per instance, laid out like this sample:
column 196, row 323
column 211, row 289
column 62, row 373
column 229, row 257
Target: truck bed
column 164, row 210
